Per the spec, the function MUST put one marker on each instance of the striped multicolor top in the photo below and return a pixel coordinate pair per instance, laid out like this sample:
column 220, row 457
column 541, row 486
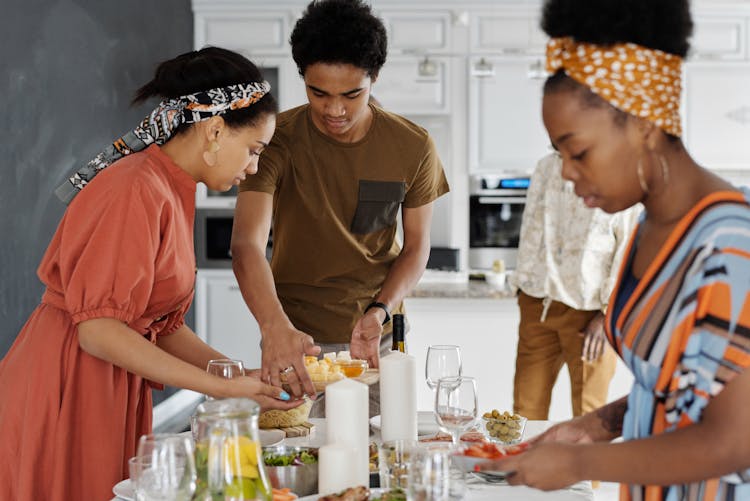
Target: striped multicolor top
column 684, row 333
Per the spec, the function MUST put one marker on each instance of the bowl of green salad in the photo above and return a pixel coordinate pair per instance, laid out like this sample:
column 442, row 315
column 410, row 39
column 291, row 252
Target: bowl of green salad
column 293, row 467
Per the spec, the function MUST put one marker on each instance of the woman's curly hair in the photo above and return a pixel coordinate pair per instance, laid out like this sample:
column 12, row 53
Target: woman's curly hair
column 339, row 31
column 665, row 25
column 658, row 24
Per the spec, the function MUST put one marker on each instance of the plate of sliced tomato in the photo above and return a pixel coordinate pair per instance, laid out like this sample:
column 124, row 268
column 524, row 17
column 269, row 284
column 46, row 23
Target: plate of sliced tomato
column 478, row 453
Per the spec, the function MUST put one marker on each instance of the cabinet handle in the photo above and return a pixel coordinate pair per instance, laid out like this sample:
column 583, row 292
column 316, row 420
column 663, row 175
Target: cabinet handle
column 234, row 287
column 483, row 69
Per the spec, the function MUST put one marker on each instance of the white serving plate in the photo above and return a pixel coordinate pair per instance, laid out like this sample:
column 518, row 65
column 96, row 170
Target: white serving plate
column 426, row 424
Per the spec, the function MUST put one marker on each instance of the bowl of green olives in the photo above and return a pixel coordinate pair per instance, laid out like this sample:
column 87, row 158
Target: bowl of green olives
column 503, row 427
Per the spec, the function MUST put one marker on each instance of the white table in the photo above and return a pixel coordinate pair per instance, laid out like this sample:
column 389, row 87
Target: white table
column 477, row 489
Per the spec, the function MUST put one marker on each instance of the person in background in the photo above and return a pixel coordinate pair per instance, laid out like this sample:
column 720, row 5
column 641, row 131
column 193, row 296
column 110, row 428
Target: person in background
column 76, row 385
column 568, row 257
column 331, row 183
column 679, row 316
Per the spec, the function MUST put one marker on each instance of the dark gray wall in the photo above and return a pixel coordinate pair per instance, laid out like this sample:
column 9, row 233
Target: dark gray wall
column 68, row 71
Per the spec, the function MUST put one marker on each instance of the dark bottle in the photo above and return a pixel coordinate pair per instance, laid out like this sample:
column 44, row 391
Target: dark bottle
column 398, row 333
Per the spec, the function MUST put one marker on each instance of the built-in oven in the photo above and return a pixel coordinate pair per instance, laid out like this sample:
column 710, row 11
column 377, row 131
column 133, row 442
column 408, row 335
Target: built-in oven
column 496, row 205
column 213, row 238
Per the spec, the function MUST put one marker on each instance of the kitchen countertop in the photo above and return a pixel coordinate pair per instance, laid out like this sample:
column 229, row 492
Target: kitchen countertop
column 450, row 284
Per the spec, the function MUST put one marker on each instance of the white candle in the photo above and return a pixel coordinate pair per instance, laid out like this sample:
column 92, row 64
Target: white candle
column 398, row 397
column 347, row 424
column 336, row 468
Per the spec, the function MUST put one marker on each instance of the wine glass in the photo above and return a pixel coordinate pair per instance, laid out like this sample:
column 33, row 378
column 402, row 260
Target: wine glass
column 164, row 468
column 456, row 404
column 225, row 368
column 443, row 360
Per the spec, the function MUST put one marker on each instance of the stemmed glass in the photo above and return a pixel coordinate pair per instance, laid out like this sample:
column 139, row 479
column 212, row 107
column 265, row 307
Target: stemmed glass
column 456, row 404
column 225, row 368
column 164, row 468
column 443, row 360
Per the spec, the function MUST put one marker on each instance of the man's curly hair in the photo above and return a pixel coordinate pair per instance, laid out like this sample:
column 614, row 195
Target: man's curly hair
column 339, row 31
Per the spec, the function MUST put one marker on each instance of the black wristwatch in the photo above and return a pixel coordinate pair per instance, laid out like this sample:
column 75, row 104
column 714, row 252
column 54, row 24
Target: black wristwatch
column 383, row 306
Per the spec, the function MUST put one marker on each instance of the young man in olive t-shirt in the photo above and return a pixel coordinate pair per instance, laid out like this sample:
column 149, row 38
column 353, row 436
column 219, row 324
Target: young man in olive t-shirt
column 330, row 184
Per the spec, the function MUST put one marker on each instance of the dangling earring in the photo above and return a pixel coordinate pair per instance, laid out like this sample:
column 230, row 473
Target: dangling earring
column 209, row 156
column 664, row 170
column 641, row 177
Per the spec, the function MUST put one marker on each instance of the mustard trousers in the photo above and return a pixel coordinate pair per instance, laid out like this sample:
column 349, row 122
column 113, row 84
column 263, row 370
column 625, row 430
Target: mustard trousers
column 543, row 348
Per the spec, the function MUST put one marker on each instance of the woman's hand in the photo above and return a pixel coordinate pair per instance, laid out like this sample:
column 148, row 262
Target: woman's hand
column 594, row 339
column 268, row 396
column 283, row 351
column 545, row 466
column 365, row 342
column 574, row 431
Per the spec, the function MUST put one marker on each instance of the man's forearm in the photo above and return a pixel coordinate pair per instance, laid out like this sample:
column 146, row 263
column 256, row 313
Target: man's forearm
column 403, row 275
column 256, row 283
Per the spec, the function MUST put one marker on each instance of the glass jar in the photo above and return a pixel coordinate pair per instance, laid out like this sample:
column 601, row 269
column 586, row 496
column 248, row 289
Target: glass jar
column 228, row 454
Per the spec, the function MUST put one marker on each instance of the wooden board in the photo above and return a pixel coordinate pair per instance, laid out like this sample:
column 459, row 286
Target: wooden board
column 302, row 430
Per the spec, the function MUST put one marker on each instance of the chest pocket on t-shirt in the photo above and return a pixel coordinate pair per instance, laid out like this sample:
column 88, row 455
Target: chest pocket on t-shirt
column 377, row 205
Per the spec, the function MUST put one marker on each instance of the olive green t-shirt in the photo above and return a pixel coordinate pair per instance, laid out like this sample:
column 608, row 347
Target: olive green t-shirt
column 334, row 213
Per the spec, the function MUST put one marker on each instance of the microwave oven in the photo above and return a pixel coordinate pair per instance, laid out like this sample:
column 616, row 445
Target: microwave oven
column 496, row 207
column 213, row 238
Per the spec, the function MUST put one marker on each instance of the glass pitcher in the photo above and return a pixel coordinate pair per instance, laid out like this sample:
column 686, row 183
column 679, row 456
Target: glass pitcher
column 228, row 456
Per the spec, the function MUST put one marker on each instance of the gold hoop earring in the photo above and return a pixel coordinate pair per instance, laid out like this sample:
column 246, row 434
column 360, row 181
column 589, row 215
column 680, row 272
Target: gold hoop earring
column 209, row 156
column 641, row 176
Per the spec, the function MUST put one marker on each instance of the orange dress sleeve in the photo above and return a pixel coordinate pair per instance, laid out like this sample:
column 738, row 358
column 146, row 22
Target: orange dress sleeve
column 105, row 264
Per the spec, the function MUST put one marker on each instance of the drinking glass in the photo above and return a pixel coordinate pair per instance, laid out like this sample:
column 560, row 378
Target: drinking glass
column 443, row 360
column 226, row 368
column 434, row 475
column 393, row 462
column 164, row 468
column 456, row 404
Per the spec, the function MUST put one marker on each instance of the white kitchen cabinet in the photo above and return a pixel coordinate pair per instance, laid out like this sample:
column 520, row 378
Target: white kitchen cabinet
column 508, row 30
column 223, row 320
column 719, row 37
column 249, row 31
column 717, row 114
column 506, row 132
column 487, row 332
column 418, row 31
column 414, row 86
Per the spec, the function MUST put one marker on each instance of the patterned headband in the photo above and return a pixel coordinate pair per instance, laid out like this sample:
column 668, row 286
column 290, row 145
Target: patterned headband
column 635, row 79
column 161, row 123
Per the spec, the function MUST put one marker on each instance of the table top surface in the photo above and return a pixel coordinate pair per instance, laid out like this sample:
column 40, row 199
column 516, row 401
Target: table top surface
column 477, row 490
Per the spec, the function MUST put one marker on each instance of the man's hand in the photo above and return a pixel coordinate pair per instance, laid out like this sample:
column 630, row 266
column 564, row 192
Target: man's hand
column 365, row 342
column 594, row 340
column 283, row 351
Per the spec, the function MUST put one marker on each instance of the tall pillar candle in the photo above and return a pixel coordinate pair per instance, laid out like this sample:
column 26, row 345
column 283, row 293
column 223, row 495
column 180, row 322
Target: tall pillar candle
column 398, row 397
column 347, row 423
column 336, row 468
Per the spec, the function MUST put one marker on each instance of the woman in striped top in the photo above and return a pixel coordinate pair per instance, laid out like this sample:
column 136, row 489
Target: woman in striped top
column 680, row 314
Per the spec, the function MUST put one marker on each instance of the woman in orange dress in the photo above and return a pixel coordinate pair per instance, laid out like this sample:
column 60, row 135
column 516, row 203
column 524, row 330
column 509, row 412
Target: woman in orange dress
column 119, row 276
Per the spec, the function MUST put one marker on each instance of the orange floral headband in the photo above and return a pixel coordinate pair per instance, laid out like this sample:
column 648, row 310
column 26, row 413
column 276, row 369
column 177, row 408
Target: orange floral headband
column 635, row 79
